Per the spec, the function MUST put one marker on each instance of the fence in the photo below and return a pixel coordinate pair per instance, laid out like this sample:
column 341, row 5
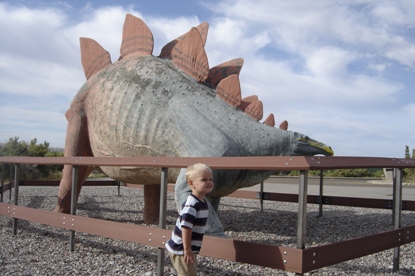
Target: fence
column 299, row 260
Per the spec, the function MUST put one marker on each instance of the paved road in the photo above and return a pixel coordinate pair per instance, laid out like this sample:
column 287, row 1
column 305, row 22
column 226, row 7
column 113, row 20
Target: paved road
column 347, row 187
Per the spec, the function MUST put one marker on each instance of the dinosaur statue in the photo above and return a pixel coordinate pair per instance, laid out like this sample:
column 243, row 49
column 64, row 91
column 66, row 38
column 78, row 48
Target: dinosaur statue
column 170, row 105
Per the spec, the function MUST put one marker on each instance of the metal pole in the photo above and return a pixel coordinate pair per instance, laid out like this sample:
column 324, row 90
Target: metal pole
column 11, row 182
column 2, row 181
column 397, row 206
column 162, row 217
column 261, row 196
column 393, row 195
column 320, row 203
column 16, row 195
column 73, row 204
column 302, row 210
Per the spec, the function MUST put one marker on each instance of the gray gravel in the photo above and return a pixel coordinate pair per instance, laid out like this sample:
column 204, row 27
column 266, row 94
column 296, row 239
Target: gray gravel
column 42, row 250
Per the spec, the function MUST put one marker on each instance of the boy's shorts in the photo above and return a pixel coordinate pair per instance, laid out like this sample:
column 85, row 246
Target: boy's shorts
column 180, row 265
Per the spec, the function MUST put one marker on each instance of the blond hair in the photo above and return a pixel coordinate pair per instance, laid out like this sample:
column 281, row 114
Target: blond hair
column 192, row 170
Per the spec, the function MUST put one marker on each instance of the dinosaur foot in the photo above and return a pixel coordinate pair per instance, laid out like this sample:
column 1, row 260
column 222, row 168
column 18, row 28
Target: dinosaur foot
column 151, row 204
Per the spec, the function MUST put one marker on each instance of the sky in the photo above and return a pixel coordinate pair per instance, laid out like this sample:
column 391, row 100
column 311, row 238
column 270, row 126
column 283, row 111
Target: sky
column 341, row 72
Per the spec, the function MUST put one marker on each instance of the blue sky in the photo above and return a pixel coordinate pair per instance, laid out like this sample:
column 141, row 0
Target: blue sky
column 342, row 72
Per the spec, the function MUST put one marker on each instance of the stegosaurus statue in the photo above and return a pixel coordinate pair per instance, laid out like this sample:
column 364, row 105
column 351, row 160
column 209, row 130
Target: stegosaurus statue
column 170, row 105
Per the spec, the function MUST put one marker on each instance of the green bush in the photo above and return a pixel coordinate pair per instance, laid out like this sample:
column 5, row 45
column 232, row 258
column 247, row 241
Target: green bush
column 409, row 174
column 14, row 147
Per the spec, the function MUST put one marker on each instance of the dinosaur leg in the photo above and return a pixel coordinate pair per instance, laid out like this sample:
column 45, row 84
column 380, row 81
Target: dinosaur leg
column 181, row 189
column 151, row 203
column 214, row 226
column 76, row 144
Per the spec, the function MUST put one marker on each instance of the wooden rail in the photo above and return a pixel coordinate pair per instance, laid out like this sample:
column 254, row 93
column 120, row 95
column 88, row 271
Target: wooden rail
column 299, row 260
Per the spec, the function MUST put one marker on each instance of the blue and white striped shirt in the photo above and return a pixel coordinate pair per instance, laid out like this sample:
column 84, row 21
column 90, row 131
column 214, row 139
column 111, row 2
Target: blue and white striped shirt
column 193, row 215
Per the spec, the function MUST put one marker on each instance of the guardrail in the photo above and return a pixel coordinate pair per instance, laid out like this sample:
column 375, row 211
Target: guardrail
column 298, row 260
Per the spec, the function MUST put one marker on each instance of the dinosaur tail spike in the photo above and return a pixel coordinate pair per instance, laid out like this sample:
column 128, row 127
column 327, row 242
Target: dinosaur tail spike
column 229, row 90
column 93, row 57
column 255, row 110
column 284, row 125
column 136, row 38
column 221, row 71
column 190, row 56
column 270, row 121
column 168, row 48
column 247, row 101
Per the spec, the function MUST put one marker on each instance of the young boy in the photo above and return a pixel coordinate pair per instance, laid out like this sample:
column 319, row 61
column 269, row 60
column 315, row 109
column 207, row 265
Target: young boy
column 187, row 236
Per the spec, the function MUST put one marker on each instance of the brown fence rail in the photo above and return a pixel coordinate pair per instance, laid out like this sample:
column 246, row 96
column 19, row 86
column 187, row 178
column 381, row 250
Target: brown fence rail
column 377, row 203
column 298, row 260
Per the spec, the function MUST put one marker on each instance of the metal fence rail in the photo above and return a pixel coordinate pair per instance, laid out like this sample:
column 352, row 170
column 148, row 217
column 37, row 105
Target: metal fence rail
column 298, row 260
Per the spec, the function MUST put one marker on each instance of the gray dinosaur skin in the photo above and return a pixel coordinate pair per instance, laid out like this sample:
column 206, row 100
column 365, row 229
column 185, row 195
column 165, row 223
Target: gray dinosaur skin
column 145, row 106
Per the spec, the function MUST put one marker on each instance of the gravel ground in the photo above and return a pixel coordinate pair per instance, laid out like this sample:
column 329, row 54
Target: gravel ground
column 42, row 250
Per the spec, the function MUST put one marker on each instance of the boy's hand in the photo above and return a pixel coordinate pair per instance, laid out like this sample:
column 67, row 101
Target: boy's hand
column 188, row 256
column 186, row 237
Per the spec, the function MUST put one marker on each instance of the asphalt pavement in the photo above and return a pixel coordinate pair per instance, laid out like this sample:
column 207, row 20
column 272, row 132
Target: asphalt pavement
column 345, row 187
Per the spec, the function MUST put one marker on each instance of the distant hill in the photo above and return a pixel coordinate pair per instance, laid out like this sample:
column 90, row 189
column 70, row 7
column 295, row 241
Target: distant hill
column 56, row 149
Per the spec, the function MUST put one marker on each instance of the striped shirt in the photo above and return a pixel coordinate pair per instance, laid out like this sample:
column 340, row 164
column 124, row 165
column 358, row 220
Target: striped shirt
column 193, row 215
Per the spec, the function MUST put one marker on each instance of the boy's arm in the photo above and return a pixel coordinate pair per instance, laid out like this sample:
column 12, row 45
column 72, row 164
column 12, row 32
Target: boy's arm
column 187, row 244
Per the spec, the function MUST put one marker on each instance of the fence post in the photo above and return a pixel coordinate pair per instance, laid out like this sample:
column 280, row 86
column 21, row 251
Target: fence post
column 320, row 197
column 2, row 181
column 162, row 217
column 11, row 182
column 302, row 210
column 393, row 195
column 73, row 204
column 261, row 196
column 16, row 195
column 397, row 210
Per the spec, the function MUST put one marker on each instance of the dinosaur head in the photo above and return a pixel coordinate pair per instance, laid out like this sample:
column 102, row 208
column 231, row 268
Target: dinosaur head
column 304, row 145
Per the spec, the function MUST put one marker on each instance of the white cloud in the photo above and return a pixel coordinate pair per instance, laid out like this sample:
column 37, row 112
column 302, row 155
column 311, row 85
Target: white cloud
column 410, row 109
column 29, row 117
column 394, row 13
column 378, row 67
column 327, row 67
column 26, row 31
column 329, row 61
column 227, row 33
column 32, row 76
column 405, row 54
column 23, row 19
column 167, row 29
column 306, row 26
column 279, row 86
column 102, row 25
column 28, row 123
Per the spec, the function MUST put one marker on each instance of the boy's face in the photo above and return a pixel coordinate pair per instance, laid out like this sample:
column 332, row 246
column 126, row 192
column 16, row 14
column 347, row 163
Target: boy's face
column 201, row 184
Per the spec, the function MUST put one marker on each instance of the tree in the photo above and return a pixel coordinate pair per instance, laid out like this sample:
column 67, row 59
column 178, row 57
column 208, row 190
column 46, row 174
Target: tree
column 53, row 169
column 37, row 150
column 407, row 152
column 409, row 174
column 14, row 147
